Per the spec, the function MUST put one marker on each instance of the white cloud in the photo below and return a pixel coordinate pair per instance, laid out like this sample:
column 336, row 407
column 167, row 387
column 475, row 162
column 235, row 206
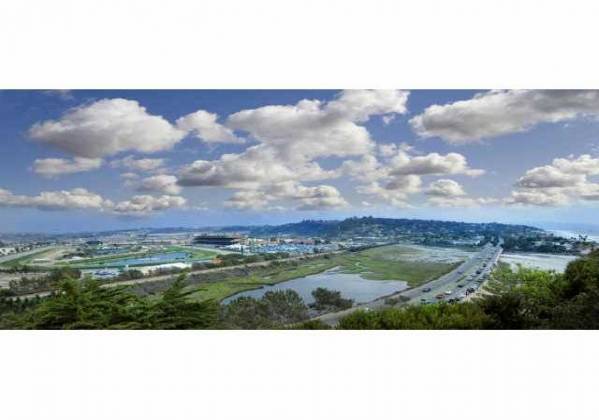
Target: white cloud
column 449, row 193
column 290, row 140
column 254, row 167
column 395, row 192
column 538, row 198
column 204, row 125
column 166, row 184
column 107, row 127
column 318, row 197
column 445, row 188
column 141, row 165
column 549, row 177
column 51, row 168
column 563, row 181
column 129, row 176
column 502, row 112
column 584, row 164
column 248, row 200
column 311, row 128
column 400, row 173
column 431, row 164
column 78, row 198
column 142, row 205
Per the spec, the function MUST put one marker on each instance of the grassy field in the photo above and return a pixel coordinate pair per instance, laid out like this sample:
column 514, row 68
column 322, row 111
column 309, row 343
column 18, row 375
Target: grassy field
column 383, row 263
column 386, row 263
column 26, row 259
column 105, row 261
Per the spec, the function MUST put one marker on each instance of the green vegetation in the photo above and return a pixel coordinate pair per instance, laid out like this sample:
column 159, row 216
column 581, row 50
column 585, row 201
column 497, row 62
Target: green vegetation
column 107, row 260
column 87, row 305
column 381, row 263
column 24, row 260
column 26, row 285
column 438, row 317
column 386, row 263
column 520, row 299
column 257, row 277
column 274, row 310
column 329, row 300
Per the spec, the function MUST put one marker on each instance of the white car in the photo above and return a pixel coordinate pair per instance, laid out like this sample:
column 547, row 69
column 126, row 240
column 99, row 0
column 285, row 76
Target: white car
column 448, row 292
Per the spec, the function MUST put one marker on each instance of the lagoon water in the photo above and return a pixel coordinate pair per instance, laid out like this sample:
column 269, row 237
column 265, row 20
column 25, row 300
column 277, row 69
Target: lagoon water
column 352, row 286
column 541, row 261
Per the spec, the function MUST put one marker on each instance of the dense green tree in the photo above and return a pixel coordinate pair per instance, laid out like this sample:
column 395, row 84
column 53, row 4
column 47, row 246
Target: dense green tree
column 274, row 310
column 83, row 305
column 174, row 310
column 437, row 316
column 86, row 304
column 329, row 300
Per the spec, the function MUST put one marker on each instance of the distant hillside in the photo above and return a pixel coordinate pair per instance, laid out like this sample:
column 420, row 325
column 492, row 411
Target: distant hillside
column 374, row 226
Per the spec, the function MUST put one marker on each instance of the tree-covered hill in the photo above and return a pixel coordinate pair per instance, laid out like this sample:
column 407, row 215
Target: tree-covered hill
column 375, row 226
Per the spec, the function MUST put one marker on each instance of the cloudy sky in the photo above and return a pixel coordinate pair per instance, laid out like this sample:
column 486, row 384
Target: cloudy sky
column 79, row 160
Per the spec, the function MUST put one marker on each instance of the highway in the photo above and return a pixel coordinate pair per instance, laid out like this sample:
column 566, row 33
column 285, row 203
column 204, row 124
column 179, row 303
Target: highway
column 452, row 286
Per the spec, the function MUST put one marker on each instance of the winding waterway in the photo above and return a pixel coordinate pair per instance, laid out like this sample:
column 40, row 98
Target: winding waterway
column 352, row 286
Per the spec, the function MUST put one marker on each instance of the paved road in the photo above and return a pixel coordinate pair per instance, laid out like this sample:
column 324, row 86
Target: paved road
column 467, row 275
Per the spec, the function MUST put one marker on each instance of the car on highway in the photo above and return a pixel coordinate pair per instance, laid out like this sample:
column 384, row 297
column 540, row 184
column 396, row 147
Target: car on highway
column 440, row 296
column 460, row 285
column 448, row 292
column 426, row 289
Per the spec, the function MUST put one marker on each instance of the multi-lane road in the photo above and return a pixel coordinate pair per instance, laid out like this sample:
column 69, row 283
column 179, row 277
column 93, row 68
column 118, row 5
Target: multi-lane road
column 452, row 286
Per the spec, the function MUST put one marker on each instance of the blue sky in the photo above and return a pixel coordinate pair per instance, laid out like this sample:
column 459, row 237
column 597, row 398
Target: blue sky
column 92, row 160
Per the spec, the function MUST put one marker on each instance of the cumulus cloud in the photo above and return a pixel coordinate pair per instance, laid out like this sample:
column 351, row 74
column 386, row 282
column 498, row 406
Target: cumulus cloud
column 318, row 197
column 311, row 128
column 538, row 198
column 549, row 177
column 431, row 164
column 290, row 140
column 142, row 205
column 501, row 112
column 559, row 183
column 51, row 168
column 82, row 199
column 399, row 172
column 254, row 167
column 107, row 127
column 449, row 193
column 205, row 126
column 78, row 198
column 395, row 192
column 140, row 165
column 166, row 184
column 445, row 188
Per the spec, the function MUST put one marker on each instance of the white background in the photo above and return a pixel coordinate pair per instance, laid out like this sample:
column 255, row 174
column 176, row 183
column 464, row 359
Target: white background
column 298, row 44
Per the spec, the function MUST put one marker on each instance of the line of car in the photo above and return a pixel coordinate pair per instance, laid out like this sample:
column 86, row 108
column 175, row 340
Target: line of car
column 478, row 278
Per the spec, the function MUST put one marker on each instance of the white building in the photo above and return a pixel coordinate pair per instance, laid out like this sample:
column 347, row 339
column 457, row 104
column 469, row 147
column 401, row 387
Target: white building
column 7, row 250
